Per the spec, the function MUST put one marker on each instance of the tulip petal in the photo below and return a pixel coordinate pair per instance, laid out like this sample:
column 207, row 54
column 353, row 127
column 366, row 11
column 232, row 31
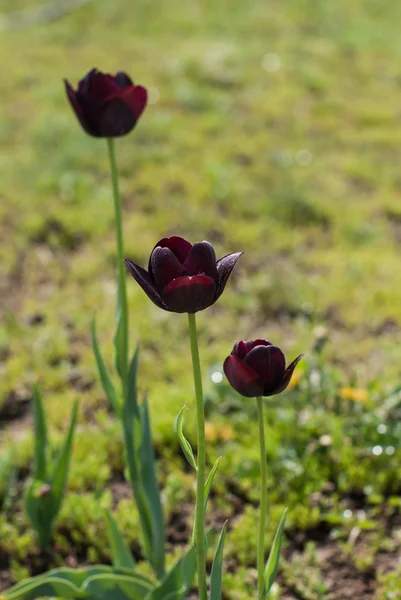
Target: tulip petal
column 145, row 281
column 287, row 376
column 165, row 267
column 189, row 294
column 101, row 86
column 83, row 85
column 269, row 363
column 242, row 377
column 116, row 119
column 136, row 97
column 201, row 259
column 178, row 246
column 122, row 80
column 242, row 348
column 77, row 108
column 224, row 267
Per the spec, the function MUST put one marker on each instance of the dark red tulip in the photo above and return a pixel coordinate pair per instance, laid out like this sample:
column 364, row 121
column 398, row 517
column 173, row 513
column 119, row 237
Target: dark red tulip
column 183, row 278
column 107, row 105
column 257, row 368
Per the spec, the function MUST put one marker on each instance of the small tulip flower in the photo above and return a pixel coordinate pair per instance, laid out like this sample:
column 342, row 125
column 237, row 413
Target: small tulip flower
column 257, row 368
column 107, row 105
column 182, row 277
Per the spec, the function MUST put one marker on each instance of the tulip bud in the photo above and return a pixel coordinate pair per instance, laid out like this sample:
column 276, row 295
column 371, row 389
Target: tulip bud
column 257, row 368
column 107, row 105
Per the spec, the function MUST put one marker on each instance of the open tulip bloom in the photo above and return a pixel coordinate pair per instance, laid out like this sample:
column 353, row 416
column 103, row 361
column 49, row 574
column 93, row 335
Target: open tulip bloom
column 255, row 369
column 182, row 277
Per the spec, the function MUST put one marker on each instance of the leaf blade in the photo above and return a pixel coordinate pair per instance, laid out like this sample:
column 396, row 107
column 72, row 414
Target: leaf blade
column 273, row 561
column 60, row 474
column 151, row 489
column 216, row 576
column 185, row 445
column 107, row 384
column 209, row 480
column 120, row 553
column 40, row 434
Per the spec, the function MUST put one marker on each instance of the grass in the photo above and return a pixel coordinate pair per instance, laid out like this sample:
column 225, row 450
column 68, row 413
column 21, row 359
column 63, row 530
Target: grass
column 272, row 129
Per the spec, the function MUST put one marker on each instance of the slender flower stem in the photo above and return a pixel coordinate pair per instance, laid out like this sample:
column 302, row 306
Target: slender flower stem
column 122, row 306
column 263, row 500
column 200, row 481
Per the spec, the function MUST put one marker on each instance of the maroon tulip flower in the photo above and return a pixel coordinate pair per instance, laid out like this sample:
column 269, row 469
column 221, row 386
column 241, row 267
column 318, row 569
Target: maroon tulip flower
column 258, row 368
column 107, row 105
column 183, row 278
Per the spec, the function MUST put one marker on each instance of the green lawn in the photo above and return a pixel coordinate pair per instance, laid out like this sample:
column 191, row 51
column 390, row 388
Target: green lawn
column 272, row 128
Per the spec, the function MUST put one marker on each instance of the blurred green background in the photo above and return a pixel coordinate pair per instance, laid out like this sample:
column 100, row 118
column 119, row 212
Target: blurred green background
column 272, row 128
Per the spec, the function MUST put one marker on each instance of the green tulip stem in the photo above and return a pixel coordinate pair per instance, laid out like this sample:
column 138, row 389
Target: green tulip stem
column 200, row 481
column 263, row 500
column 122, row 308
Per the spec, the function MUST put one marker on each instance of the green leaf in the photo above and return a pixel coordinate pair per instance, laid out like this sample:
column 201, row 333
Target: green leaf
column 44, row 587
column 99, row 582
column 133, row 440
column 39, row 505
column 272, row 563
column 178, row 581
column 107, row 384
column 151, row 489
column 121, row 330
column 60, row 473
column 117, row 587
column 185, row 445
column 120, row 553
column 217, row 567
column 209, row 480
column 40, row 434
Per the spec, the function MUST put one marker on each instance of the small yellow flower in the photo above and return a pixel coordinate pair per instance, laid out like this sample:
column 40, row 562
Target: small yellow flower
column 354, row 394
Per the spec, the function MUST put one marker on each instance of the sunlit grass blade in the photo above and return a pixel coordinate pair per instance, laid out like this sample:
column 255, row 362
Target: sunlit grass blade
column 216, row 575
column 209, row 480
column 105, row 379
column 151, row 489
column 121, row 555
column 40, row 434
column 185, row 445
column 60, row 474
column 274, row 556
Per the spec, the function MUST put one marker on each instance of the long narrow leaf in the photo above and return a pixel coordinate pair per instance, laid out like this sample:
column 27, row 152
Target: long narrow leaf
column 44, row 587
column 121, row 330
column 133, row 441
column 209, row 480
column 185, row 445
column 151, row 489
column 274, row 556
column 117, row 587
column 120, row 553
column 178, row 580
column 62, row 465
column 216, row 576
column 40, row 433
column 107, row 384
